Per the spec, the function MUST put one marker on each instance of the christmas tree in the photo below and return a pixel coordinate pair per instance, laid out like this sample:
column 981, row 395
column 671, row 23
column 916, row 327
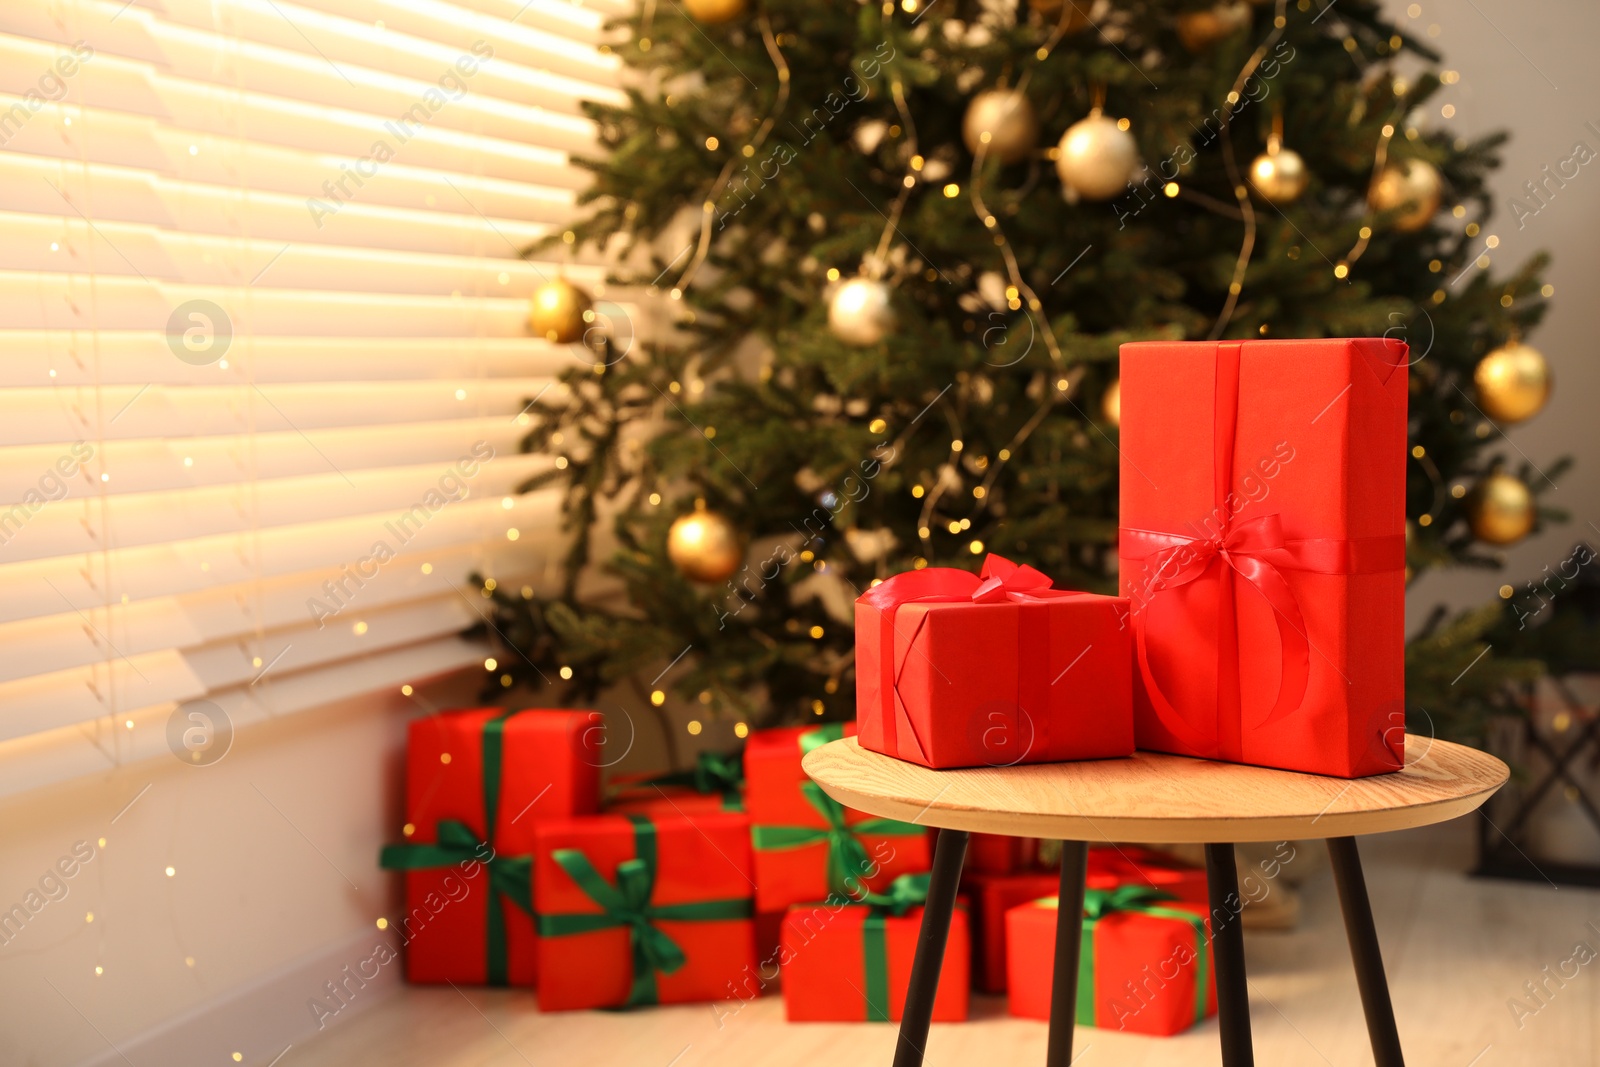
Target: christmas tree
column 900, row 246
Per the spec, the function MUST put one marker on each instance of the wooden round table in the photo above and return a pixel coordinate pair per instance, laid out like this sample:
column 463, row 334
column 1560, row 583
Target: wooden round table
column 1152, row 797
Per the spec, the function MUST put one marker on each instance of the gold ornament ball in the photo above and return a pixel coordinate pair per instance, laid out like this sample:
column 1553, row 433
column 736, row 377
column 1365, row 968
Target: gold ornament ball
column 1199, row 30
column 1513, row 382
column 1096, row 157
column 1077, row 12
column 711, row 11
column 1007, row 119
column 704, row 546
column 1279, row 175
column 1111, row 403
column 560, row 313
column 859, row 312
column 1413, row 188
column 1500, row 510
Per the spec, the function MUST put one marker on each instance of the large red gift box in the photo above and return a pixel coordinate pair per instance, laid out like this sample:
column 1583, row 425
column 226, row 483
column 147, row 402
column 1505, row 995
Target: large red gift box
column 808, row 846
column 961, row 670
column 852, row 962
column 1262, row 548
column 1144, row 964
column 478, row 783
column 992, row 896
column 634, row 910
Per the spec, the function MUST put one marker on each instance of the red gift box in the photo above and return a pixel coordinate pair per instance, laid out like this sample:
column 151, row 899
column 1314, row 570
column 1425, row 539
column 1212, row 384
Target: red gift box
column 478, row 783
column 634, row 910
column 1262, row 547
column 1001, row 854
column 1111, row 866
column 852, row 962
column 992, row 896
column 1144, row 965
column 808, row 846
column 715, row 783
column 961, row 670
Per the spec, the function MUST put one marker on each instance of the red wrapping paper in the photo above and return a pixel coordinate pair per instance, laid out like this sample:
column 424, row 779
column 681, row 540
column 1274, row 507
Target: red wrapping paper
column 1111, row 866
column 1000, row 854
column 706, row 858
column 773, row 797
column 992, row 896
column 549, row 769
column 824, row 958
column 1262, row 550
column 958, row 670
column 1145, row 968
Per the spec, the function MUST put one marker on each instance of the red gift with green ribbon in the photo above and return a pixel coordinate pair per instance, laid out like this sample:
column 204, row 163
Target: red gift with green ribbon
column 478, row 783
column 635, row 910
column 1144, row 964
column 808, row 845
column 851, row 961
column 715, row 782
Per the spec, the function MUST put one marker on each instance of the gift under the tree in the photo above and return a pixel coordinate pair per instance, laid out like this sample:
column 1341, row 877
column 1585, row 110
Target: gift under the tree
column 807, row 845
column 637, row 910
column 955, row 669
column 846, row 962
column 1144, row 964
column 478, row 783
column 1262, row 548
column 992, row 896
column 715, row 783
column 1111, row 866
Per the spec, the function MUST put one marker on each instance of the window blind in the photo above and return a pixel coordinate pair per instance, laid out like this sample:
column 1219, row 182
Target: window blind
column 263, row 355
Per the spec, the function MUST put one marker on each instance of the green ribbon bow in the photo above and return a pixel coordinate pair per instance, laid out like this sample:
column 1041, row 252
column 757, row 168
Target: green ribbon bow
column 1146, row 900
column 509, row 876
column 713, row 773
column 905, row 892
column 847, row 854
column 627, row 905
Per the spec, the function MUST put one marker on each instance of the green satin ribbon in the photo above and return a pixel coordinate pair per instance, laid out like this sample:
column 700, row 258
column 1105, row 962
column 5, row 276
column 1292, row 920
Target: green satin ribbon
column 847, row 854
column 509, row 876
column 1098, row 903
column 713, row 773
column 905, row 892
column 627, row 905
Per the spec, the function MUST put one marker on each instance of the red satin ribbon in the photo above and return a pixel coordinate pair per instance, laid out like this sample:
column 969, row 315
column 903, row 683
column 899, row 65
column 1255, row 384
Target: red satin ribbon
column 1000, row 580
column 1256, row 550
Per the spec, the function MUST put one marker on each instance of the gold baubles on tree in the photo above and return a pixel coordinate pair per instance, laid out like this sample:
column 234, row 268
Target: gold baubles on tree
column 560, row 312
column 1500, row 509
column 1111, row 403
column 1002, row 124
column 1096, row 157
column 711, row 11
column 704, row 546
column 1413, row 188
column 1199, row 30
column 859, row 312
column 1513, row 382
column 1279, row 174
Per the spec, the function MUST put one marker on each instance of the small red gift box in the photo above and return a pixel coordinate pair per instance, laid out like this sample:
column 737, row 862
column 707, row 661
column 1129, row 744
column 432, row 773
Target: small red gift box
column 1144, row 965
column 716, row 783
column 808, row 846
column 634, row 910
column 992, row 896
column 961, row 670
column 478, row 783
column 852, row 962
column 1262, row 547
column 1111, row 866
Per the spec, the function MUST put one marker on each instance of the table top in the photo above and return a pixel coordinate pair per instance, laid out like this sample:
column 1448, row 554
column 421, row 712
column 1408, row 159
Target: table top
column 1153, row 797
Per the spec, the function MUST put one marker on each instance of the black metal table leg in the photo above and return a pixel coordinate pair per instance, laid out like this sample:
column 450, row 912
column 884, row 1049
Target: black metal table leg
column 948, row 856
column 1364, row 951
column 1227, row 950
column 1069, row 938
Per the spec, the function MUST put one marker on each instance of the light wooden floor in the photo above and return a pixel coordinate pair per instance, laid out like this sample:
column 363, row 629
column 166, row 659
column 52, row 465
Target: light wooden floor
column 1457, row 950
